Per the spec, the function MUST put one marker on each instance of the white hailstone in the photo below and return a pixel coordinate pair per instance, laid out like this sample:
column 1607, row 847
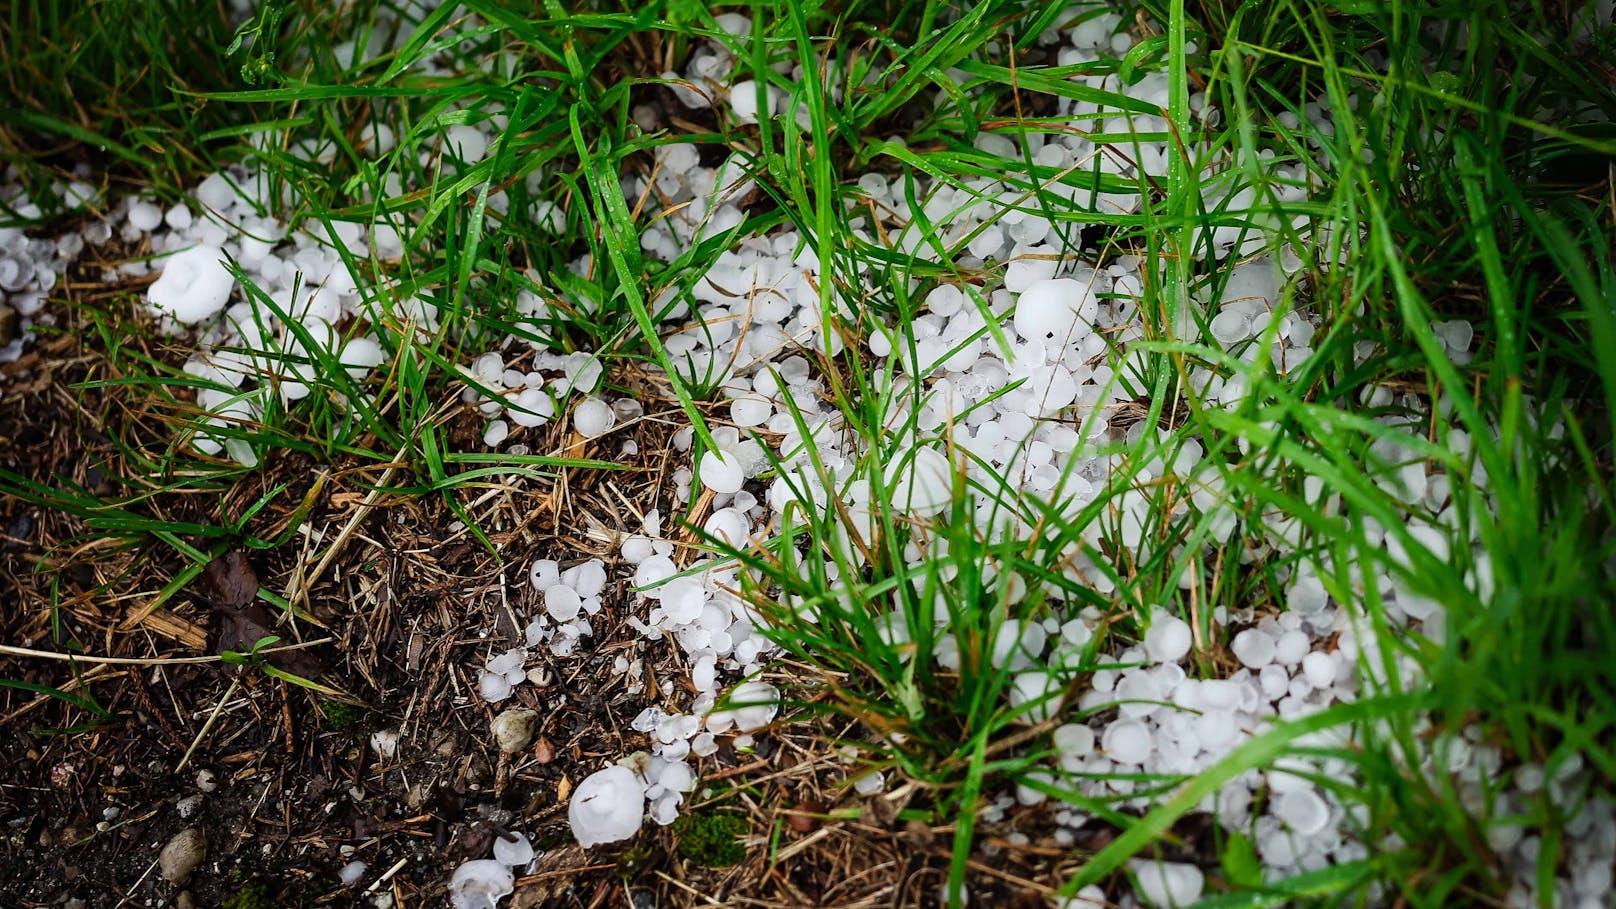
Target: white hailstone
column 593, row 417
column 1127, row 742
column 480, row 884
column 533, row 407
column 1319, row 669
column 144, row 216
column 607, row 807
column 721, row 472
column 1215, row 729
column 1026, row 270
column 1253, row 647
column 1138, row 693
column 1456, row 334
column 750, row 410
column 1303, row 811
column 1053, row 388
column 1168, row 883
column 1090, row 897
column 1018, row 645
column 653, row 571
column 677, row 777
column 1038, row 691
column 1218, row 694
column 1168, row 638
column 683, row 600
column 1073, row 740
column 512, row 848
column 1050, row 310
column 493, row 686
column 508, row 661
column 1291, row 647
column 361, row 355
column 743, row 101
column 870, row 783
column 1273, row 680
column 921, row 480
column 195, row 285
column 729, row 526
column 178, row 217
column 215, row 192
column 590, row 578
column 704, row 673
column 1230, row 326
column 562, row 603
column 1306, row 595
column 352, row 873
column 496, row 433
column 466, row 142
column 753, row 705
column 385, row 743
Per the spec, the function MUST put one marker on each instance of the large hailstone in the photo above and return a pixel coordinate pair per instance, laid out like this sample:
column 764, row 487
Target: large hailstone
column 194, row 285
column 1050, row 310
column 920, row 480
column 480, row 884
column 607, row 807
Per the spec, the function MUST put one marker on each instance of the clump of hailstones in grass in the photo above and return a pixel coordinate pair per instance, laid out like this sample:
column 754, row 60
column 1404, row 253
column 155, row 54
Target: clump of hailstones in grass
column 607, row 807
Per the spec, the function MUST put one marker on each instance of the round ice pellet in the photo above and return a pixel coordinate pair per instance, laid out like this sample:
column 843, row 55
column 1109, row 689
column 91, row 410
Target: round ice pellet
column 683, row 599
column 721, row 472
column 1303, row 811
column 1073, row 740
column 750, row 410
column 1049, row 310
column 1168, row 639
column 496, row 433
column 1168, row 884
column 1127, row 742
column 593, row 417
column 1253, row 647
column 562, row 603
column 1291, row 647
column 512, row 848
column 493, row 686
column 1319, row 669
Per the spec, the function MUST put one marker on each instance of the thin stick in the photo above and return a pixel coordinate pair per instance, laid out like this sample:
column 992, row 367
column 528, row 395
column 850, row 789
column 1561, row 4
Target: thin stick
column 8, row 650
column 202, row 733
column 299, row 589
column 387, row 875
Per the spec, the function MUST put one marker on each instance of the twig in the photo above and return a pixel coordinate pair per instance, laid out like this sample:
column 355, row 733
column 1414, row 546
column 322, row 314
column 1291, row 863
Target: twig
column 387, row 875
column 298, row 591
column 8, row 650
column 203, row 732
